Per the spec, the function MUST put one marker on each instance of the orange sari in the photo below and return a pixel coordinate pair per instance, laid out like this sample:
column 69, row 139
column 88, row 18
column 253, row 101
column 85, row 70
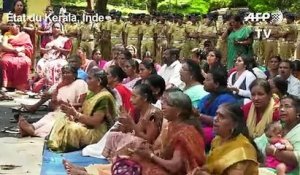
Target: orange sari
column 180, row 136
column 183, row 137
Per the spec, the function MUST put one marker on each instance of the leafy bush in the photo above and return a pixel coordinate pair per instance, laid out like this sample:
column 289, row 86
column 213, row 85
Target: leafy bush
column 184, row 6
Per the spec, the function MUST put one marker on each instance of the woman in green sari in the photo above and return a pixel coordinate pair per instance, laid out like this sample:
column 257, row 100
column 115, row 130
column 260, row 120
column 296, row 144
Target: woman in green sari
column 79, row 129
column 239, row 40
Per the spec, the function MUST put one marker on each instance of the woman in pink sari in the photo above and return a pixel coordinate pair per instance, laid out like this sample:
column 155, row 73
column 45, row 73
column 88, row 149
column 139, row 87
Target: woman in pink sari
column 54, row 58
column 15, row 62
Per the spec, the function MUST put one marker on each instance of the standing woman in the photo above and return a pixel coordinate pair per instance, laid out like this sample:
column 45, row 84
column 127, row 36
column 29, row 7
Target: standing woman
column 239, row 40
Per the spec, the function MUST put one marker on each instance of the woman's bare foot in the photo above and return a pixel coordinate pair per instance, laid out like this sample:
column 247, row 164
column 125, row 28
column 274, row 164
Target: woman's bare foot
column 26, row 129
column 73, row 169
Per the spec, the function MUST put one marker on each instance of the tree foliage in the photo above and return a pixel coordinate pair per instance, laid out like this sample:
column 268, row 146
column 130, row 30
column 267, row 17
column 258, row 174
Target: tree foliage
column 184, row 6
column 189, row 6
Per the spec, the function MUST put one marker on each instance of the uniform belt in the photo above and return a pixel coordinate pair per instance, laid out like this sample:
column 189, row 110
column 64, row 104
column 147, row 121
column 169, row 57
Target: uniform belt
column 178, row 42
column 270, row 39
column 289, row 41
column 146, row 38
column 132, row 38
column 87, row 40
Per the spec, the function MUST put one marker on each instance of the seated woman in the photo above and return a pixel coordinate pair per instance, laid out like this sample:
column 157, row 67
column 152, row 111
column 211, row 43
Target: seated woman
column 262, row 110
column 240, row 80
column 158, row 86
column 213, row 61
column 97, row 57
column 190, row 74
column 216, row 84
column 181, row 152
column 15, row 52
column 54, row 56
column 86, row 64
column 279, row 87
column 70, row 90
column 132, row 135
column 146, row 68
column 232, row 151
column 273, row 66
column 131, row 70
column 78, row 129
column 289, row 113
column 115, row 77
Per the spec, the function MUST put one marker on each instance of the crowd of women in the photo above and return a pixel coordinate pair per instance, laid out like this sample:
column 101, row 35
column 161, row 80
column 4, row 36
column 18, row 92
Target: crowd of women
column 184, row 117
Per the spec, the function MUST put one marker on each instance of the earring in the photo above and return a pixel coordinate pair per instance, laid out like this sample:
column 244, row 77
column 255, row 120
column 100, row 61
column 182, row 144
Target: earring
column 232, row 130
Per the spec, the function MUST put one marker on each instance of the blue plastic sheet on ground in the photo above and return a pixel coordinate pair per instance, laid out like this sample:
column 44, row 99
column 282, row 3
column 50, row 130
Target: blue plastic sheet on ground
column 52, row 162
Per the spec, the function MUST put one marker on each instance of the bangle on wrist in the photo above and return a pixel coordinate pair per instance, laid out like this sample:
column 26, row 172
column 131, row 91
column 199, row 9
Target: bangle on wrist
column 78, row 115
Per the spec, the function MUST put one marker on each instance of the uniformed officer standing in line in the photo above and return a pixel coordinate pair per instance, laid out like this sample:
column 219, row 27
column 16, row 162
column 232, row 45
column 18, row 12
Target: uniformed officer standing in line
column 72, row 31
column 133, row 33
column 160, row 36
column 86, row 35
column 192, row 33
column 177, row 37
column 222, row 25
column 208, row 30
column 289, row 35
column 148, row 36
column 270, row 43
column 297, row 51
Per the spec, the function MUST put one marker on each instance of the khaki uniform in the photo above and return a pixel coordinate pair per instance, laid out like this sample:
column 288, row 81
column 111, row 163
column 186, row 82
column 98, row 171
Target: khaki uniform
column 72, row 31
column 297, row 51
column 104, row 39
column 258, row 47
column 177, row 34
column 148, row 39
column 222, row 43
column 116, row 32
column 271, row 43
column 161, row 32
column 207, row 33
column 87, row 37
column 287, row 46
column 190, row 41
column 132, row 35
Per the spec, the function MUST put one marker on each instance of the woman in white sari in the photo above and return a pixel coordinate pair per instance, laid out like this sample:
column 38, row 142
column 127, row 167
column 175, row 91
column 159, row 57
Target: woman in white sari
column 54, row 55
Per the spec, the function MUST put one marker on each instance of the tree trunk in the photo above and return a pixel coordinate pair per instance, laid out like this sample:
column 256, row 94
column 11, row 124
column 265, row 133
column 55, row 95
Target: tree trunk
column 101, row 6
column 152, row 6
column 90, row 4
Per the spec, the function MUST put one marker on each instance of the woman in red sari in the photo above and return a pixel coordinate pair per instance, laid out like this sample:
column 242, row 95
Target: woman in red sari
column 182, row 149
column 15, row 62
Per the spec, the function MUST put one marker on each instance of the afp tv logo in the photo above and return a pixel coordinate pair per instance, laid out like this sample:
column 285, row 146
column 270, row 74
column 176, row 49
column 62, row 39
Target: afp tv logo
column 273, row 18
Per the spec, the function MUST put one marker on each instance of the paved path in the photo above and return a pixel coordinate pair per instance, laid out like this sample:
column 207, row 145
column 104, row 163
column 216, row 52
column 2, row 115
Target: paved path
column 21, row 155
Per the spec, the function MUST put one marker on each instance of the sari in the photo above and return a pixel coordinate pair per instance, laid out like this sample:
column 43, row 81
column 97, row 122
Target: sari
column 180, row 136
column 233, row 49
column 117, row 143
column 230, row 155
column 16, row 68
column 50, row 65
column 70, row 93
column 257, row 124
column 68, row 135
column 208, row 105
column 293, row 136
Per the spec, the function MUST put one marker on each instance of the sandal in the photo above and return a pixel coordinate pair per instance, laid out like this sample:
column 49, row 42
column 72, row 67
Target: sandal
column 6, row 98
